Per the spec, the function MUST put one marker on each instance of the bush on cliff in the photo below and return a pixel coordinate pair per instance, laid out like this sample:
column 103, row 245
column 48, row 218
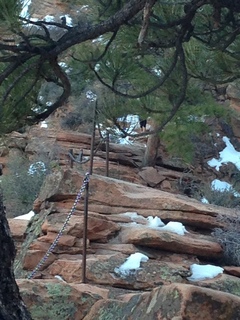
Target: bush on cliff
column 21, row 184
column 229, row 238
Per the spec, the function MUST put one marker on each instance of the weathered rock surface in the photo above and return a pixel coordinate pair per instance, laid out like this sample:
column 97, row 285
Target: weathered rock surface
column 159, row 289
column 61, row 301
column 117, row 227
column 54, row 299
column 201, row 246
column 171, row 302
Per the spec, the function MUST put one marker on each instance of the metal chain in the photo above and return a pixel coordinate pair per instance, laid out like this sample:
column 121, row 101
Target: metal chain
column 60, row 233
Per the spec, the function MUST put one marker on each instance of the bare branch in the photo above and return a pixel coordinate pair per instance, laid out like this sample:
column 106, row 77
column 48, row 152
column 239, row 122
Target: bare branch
column 146, row 17
column 80, row 34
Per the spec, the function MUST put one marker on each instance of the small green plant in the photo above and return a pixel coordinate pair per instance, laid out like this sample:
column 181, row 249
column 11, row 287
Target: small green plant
column 21, row 185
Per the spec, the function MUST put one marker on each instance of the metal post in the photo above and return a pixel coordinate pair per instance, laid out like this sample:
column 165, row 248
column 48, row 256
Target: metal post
column 71, row 160
column 85, row 225
column 107, row 154
column 93, row 139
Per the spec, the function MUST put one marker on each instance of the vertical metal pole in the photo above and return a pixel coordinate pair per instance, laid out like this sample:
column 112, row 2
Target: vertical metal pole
column 93, row 139
column 85, row 224
column 107, row 154
column 81, row 155
column 71, row 160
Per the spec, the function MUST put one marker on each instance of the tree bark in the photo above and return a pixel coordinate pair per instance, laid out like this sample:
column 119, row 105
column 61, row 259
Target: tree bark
column 151, row 153
column 11, row 304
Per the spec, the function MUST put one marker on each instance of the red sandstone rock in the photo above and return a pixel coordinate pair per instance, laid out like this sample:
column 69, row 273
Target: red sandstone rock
column 33, row 257
column 99, row 227
column 235, row 271
column 57, row 299
column 64, row 240
column 169, row 241
column 18, row 228
column 171, row 302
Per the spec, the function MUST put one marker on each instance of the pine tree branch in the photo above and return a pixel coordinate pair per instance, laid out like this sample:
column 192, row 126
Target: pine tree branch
column 144, row 93
column 64, row 96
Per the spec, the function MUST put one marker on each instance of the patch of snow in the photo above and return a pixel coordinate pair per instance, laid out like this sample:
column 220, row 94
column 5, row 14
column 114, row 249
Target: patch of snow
column 131, row 264
column 49, row 18
column 43, row 124
column 59, row 278
column 64, row 66
column 132, row 121
column 27, row 216
column 204, row 200
column 137, row 218
column 91, row 95
column 157, row 71
column 25, row 5
column 132, row 215
column 133, row 223
column 228, row 154
column 155, row 222
column 36, row 167
column 220, row 185
column 223, row 186
column 99, row 39
column 175, row 227
column 203, row 272
column 86, row 6
column 125, row 141
column 97, row 67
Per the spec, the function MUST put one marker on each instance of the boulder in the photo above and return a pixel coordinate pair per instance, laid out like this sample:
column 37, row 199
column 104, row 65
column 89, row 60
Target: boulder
column 200, row 246
column 169, row 302
column 99, row 227
column 56, row 300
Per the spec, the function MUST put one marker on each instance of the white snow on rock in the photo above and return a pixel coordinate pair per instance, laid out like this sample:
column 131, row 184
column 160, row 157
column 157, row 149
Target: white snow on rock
column 131, row 264
column 228, row 154
column 203, row 272
column 155, row 222
column 27, row 216
column 175, row 227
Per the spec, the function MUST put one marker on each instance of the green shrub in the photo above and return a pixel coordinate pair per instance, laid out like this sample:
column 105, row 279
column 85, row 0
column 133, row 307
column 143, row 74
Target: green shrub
column 21, row 185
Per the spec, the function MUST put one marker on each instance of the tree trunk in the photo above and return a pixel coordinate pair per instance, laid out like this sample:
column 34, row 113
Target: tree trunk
column 11, row 304
column 151, row 153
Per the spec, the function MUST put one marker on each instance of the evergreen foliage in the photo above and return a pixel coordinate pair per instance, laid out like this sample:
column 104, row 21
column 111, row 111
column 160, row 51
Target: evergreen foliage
column 21, row 184
column 9, row 14
column 190, row 122
column 154, row 58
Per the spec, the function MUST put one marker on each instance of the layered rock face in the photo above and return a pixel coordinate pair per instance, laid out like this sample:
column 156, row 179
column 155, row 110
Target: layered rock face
column 118, row 227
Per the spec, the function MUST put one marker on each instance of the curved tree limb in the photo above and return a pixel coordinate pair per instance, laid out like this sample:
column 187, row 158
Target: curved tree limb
column 64, row 96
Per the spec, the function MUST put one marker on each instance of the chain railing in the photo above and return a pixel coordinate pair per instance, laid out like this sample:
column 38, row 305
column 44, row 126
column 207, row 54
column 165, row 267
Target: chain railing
column 60, row 233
